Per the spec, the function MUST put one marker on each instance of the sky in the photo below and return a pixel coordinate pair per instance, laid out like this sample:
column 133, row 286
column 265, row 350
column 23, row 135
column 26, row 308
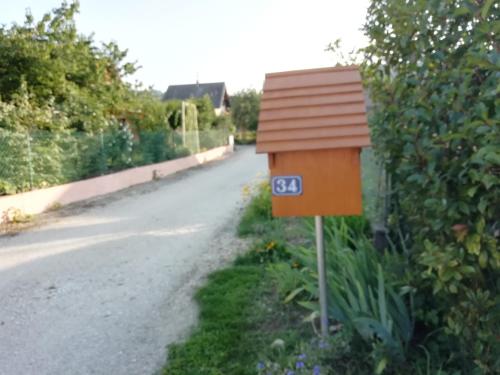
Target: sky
column 234, row 41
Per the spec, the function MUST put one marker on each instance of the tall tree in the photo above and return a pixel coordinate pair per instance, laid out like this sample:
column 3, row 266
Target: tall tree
column 57, row 67
column 245, row 107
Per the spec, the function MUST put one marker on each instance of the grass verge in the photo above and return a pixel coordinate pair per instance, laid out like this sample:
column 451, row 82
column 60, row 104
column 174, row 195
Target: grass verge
column 241, row 314
column 239, row 317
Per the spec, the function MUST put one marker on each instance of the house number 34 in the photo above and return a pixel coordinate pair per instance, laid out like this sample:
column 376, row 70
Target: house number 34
column 286, row 185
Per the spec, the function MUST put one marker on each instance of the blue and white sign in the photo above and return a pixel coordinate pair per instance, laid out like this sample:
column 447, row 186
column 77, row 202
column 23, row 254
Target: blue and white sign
column 286, row 185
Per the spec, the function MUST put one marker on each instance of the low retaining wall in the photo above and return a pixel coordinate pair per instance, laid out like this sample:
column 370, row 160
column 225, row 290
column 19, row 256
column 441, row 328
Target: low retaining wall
column 36, row 201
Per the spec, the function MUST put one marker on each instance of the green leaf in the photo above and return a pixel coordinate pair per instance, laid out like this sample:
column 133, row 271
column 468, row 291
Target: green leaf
column 381, row 365
column 483, row 204
column 313, row 306
column 483, row 259
column 382, row 304
column 486, row 8
column 293, row 294
column 480, row 225
column 473, row 244
column 488, row 180
column 461, row 11
column 492, row 157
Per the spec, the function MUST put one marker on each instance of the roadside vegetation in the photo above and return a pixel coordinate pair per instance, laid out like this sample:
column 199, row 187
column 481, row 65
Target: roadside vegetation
column 240, row 313
column 259, row 316
column 68, row 111
column 245, row 107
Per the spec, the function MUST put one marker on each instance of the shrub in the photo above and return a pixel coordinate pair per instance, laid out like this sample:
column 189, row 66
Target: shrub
column 432, row 69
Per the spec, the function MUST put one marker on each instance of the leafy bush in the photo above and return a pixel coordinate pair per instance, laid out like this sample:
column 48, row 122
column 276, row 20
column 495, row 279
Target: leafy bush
column 432, row 70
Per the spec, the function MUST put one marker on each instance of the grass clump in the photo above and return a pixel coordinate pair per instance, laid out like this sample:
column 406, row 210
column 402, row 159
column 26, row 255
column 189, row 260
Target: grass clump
column 217, row 344
column 257, row 217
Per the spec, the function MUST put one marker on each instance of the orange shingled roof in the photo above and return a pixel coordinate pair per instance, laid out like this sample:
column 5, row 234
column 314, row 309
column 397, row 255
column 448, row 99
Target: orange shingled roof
column 311, row 110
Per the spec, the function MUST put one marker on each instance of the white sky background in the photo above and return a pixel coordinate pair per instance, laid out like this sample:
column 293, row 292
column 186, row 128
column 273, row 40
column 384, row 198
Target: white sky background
column 234, row 41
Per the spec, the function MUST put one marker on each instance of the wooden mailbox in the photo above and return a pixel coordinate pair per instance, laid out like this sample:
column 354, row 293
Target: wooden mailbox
column 312, row 125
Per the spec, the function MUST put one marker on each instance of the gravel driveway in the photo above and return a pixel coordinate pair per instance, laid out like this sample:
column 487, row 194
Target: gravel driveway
column 103, row 288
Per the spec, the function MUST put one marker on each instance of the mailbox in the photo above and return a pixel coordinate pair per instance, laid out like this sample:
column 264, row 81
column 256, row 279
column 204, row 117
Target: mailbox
column 312, row 125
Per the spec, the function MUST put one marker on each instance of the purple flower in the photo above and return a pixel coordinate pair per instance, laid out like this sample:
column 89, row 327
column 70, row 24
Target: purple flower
column 300, row 364
column 316, row 370
column 260, row 366
column 290, row 372
column 302, row 356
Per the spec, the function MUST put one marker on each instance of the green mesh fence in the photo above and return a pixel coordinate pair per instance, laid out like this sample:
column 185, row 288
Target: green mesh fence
column 41, row 158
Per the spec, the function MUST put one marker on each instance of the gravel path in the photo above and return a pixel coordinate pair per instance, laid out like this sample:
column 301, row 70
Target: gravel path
column 103, row 287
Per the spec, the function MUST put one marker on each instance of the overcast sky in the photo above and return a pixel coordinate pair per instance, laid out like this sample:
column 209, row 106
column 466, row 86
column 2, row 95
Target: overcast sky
column 235, row 41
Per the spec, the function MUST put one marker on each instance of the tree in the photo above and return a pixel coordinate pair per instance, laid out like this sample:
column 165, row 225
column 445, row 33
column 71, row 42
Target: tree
column 147, row 112
column 245, row 107
column 206, row 113
column 59, row 68
column 173, row 110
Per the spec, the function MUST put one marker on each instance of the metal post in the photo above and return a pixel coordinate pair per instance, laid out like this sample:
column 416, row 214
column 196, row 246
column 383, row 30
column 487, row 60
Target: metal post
column 104, row 162
column 183, row 118
column 320, row 249
column 30, row 164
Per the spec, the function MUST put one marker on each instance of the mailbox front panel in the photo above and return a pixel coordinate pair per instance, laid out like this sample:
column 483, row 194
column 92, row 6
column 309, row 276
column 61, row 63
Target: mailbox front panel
column 316, row 182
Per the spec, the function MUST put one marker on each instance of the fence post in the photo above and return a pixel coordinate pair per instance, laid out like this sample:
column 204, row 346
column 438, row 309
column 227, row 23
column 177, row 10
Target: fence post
column 320, row 249
column 77, row 156
column 103, row 165
column 183, row 117
column 30, row 164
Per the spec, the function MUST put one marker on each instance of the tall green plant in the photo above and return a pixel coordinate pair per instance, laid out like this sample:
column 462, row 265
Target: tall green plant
column 432, row 68
column 363, row 292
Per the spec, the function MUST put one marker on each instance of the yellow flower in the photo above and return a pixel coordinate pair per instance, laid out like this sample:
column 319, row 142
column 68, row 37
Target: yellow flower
column 246, row 191
column 270, row 245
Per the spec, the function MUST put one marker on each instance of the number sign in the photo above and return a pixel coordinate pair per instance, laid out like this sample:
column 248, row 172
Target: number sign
column 287, row 185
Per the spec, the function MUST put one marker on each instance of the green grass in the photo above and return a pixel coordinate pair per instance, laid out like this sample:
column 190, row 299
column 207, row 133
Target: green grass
column 239, row 317
column 256, row 218
column 241, row 313
column 222, row 343
column 245, row 138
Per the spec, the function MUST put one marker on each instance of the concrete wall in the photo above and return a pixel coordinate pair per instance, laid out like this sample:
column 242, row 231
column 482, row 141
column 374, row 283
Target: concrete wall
column 37, row 201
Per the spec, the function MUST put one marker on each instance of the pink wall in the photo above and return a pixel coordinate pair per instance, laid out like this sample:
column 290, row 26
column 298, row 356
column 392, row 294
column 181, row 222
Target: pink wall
column 37, row 201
